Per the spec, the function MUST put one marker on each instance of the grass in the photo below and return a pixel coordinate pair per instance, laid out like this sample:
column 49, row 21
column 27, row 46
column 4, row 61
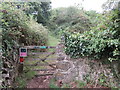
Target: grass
column 21, row 80
column 65, row 86
column 52, row 41
column 79, row 84
column 52, row 84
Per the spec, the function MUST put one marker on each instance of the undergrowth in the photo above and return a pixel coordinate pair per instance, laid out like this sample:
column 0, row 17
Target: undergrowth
column 73, row 84
column 22, row 79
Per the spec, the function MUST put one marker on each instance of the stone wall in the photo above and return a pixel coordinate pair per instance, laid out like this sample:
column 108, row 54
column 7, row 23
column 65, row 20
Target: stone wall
column 10, row 68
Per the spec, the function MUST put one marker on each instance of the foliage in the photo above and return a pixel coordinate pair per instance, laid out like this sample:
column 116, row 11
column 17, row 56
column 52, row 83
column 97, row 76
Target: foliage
column 52, row 84
column 40, row 11
column 20, row 28
column 81, row 84
column 94, row 17
column 38, row 34
column 100, row 42
column 73, row 84
column 21, row 81
column 65, row 86
column 52, row 41
column 70, row 19
column 64, row 15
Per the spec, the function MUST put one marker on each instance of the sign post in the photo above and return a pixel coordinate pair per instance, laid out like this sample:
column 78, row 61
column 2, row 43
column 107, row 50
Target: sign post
column 22, row 54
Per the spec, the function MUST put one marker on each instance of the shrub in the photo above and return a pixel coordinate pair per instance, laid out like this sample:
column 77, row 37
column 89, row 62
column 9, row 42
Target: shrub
column 100, row 42
column 72, row 19
column 20, row 28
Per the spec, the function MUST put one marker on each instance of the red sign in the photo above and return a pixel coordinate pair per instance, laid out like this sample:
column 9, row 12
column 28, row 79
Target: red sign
column 21, row 59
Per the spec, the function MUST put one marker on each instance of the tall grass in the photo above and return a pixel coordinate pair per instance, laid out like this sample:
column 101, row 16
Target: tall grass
column 52, row 40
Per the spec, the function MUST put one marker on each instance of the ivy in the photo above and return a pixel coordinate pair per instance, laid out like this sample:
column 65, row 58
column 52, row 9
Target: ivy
column 100, row 42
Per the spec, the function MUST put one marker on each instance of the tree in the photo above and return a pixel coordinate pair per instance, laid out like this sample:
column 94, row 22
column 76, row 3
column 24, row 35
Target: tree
column 111, row 4
column 40, row 11
column 71, row 18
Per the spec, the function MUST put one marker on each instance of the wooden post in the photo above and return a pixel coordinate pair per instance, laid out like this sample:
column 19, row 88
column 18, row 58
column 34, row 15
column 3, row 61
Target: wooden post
column 20, row 66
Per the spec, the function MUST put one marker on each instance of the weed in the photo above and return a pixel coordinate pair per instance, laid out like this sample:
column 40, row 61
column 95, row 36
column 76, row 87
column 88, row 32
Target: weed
column 80, row 84
column 21, row 80
column 65, row 86
column 52, row 84
column 52, row 41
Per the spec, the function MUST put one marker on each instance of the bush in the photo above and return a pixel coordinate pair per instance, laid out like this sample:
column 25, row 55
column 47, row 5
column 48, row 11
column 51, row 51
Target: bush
column 100, row 42
column 72, row 19
column 20, row 28
column 36, row 34
column 87, row 44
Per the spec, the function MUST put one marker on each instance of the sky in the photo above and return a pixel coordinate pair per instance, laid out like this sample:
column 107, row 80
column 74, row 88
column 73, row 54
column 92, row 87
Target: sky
column 87, row 4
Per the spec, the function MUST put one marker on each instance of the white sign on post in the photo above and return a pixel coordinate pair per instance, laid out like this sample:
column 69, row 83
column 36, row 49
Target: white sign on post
column 23, row 52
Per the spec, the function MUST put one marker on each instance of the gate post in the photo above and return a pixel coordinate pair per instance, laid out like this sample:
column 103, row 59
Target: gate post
column 20, row 68
column 21, row 59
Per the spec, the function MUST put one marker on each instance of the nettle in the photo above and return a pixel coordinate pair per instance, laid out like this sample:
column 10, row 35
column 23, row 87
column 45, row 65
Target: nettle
column 100, row 42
